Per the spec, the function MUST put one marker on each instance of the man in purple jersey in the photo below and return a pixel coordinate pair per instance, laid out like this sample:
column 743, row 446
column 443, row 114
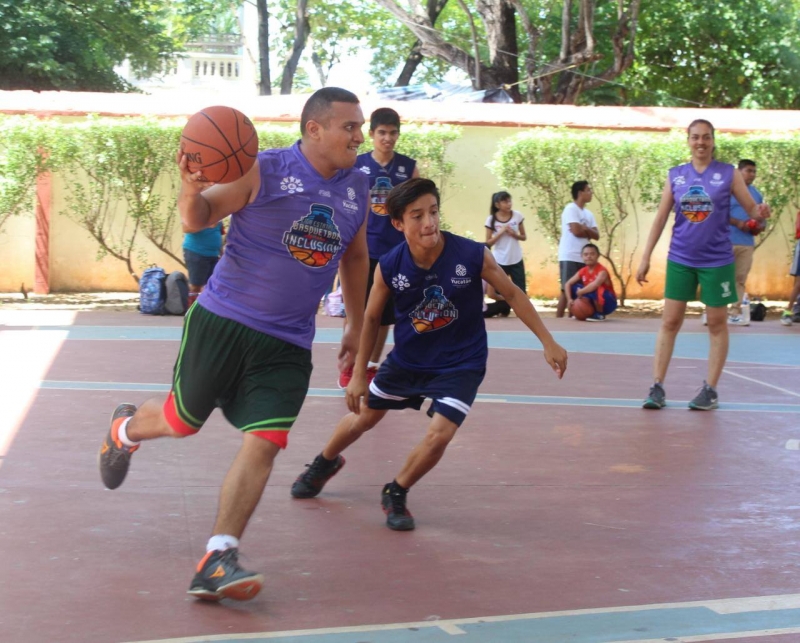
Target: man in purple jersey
column 700, row 256
column 440, row 348
column 298, row 215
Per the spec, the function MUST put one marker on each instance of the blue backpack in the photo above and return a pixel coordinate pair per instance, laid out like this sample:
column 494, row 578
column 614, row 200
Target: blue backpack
column 152, row 291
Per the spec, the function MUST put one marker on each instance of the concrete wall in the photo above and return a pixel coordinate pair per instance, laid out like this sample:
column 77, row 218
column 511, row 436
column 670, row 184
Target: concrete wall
column 73, row 263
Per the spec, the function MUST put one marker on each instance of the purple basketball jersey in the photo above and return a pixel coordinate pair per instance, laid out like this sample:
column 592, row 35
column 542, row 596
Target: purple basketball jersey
column 284, row 248
column 700, row 237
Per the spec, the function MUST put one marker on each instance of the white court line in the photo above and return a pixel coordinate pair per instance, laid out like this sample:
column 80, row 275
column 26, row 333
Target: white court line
column 750, row 379
column 793, row 445
column 720, row 606
column 776, row 367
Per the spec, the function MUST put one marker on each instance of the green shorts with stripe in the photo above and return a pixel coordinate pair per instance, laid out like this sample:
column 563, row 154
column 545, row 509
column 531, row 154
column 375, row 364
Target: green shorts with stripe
column 717, row 285
column 259, row 382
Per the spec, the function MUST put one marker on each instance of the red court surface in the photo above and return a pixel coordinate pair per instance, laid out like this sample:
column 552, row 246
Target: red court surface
column 555, row 496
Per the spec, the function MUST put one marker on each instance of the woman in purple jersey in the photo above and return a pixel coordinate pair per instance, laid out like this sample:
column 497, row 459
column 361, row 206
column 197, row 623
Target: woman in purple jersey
column 440, row 348
column 700, row 254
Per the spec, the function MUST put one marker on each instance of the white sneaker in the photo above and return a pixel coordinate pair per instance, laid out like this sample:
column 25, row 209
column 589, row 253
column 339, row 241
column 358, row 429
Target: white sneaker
column 738, row 320
column 786, row 318
column 704, row 319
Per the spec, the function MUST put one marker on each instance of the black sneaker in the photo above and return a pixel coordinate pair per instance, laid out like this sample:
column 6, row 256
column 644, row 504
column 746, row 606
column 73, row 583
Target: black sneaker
column 310, row 482
column 705, row 400
column 220, row 576
column 114, row 457
column 657, row 398
column 398, row 517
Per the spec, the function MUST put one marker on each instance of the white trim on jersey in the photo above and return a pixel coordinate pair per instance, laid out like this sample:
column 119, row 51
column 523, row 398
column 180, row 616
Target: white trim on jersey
column 386, row 396
column 458, row 405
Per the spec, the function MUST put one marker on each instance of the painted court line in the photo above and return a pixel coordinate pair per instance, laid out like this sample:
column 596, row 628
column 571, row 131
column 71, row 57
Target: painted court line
column 755, row 381
column 491, row 398
column 690, row 622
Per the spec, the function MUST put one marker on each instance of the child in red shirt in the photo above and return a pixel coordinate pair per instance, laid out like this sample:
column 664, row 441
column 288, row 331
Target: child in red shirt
column 593, row 282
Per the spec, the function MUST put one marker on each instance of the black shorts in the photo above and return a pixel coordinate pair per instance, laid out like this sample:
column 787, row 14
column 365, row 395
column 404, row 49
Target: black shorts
column 387, row 316
column 452, row 392
column 259, row 381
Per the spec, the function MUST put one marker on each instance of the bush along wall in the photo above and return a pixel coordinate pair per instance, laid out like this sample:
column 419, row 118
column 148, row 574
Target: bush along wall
column 122, row 181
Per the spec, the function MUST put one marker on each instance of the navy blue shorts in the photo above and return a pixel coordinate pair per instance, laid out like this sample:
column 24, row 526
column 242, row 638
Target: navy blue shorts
column 452, row 392
column 199, row 267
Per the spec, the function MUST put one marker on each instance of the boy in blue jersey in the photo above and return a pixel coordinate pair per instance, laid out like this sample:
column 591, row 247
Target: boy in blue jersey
column 440, row 348
column 385, row 168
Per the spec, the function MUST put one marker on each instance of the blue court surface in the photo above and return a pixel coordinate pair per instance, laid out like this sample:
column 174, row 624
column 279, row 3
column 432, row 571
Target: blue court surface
column 562, row 512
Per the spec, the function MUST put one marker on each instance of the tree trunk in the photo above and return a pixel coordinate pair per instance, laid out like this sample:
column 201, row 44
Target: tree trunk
column 414, row 58
column 265, row 82
column 301, row 31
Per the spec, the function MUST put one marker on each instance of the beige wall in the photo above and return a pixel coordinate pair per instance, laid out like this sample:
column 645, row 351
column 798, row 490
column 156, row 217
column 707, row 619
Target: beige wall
column 73, row 264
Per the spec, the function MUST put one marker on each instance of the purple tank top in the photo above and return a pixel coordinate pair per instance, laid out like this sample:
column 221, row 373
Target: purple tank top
column 700, row 237
column 283, row 249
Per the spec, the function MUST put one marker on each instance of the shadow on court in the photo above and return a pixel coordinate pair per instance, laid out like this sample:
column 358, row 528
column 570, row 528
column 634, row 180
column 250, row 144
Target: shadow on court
column 562, row 511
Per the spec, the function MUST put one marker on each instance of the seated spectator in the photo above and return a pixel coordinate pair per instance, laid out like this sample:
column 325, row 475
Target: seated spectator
column 593, row 282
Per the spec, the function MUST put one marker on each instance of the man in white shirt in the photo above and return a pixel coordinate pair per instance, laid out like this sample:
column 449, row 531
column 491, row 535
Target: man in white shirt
column 578, row 227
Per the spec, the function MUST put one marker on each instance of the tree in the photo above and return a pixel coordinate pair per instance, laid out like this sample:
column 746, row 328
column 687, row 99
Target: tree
column 52, row 45
column 563, row 78
column 746, row 56
column 265, row 81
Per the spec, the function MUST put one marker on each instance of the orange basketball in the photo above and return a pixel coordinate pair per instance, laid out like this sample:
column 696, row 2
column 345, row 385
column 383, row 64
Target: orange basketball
column 582, row 308
column 221, row 142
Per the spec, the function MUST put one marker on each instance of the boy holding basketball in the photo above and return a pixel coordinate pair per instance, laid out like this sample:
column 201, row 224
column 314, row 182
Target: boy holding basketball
column 298, row 215
column 593, row 282
column 440, row 348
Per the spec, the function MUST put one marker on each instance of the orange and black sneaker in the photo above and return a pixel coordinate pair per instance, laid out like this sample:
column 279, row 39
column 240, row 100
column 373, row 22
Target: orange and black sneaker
column 115, row 457
column 310, row 482
column 220, row 576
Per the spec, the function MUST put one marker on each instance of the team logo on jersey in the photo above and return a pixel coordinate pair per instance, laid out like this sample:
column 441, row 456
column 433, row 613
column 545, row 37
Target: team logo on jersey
column 696, row 205
column 461, row 270
column 291, row 185
column 378, row 194
column 461, row 279
column 678, row 180
column 400, row 282
column 314, row 239
column 435, row 311
column 326, row 193
column 716, row 179
column 365, row 169
column 351, row 194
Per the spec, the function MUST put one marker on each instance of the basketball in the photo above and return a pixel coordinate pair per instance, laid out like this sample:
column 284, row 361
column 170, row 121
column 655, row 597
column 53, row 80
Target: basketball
column 220, row 142
column 582, row 308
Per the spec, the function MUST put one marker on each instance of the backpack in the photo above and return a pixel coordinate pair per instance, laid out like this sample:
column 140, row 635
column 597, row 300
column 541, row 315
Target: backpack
column 177, row 294
column 152, row 291
column 758, row 312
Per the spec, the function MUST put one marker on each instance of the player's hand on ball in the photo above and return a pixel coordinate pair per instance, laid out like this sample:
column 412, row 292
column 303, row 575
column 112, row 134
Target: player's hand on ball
column 556, row 356
column 191, row 180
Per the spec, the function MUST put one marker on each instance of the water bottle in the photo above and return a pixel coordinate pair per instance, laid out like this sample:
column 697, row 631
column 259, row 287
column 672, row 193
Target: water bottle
column 745, row 309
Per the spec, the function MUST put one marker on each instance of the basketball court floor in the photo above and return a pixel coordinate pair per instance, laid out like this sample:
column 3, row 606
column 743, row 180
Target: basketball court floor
column 562, row 511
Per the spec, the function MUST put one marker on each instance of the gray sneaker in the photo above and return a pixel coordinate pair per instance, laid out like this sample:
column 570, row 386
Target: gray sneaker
column 657, row 398
column 705, row 400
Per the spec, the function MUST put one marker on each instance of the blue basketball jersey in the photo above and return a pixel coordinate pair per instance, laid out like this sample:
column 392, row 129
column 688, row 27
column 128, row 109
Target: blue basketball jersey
column 381, row 234
column 438, row 312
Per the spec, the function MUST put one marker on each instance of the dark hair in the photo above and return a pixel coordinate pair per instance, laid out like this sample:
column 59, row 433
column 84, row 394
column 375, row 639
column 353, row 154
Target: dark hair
column 318, row 106
column 403, row 195
column 746, row 163
column 578, row 187
column 384, row 116
column 497, row 196
column 591, row 245
column 700, row 121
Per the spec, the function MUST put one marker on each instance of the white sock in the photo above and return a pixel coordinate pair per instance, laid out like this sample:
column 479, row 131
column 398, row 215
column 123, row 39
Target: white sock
column 372, row 364
column 221, row 542
column 122, row 434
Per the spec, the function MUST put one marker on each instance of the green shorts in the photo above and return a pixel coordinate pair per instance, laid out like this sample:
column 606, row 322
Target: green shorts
column 717, row 285
column 259, row 382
